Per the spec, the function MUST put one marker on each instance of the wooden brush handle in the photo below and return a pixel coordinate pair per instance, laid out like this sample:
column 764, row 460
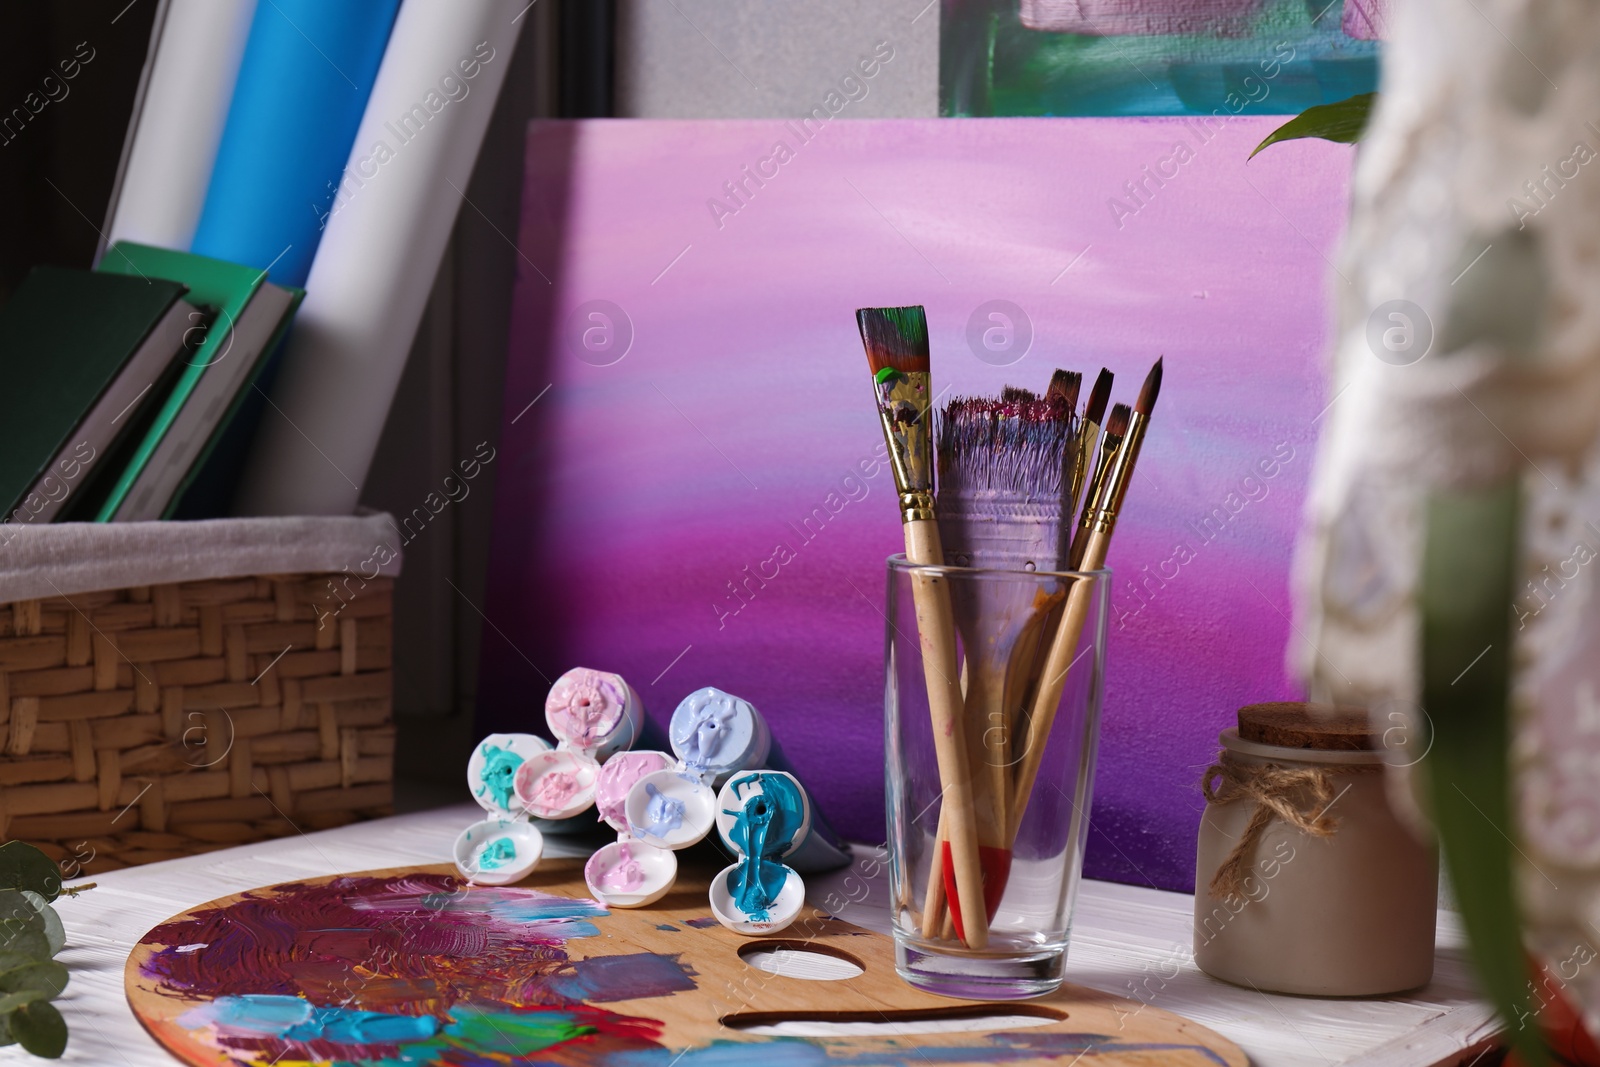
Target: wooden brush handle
column 989, row 750
column 1053, row 680
column 933, row 909
column 941, row 670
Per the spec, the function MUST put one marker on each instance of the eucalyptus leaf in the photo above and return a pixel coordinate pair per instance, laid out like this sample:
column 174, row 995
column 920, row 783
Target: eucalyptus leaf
column 1467, row 589
column 49, row 977
column 22, row 928
column 10, row 960
column 13, row 1001
column 24, row 867
column 40, row 1029
column 1342, row 121
column 54, row 933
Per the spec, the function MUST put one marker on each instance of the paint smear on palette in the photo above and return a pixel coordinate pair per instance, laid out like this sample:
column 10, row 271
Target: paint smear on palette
column 705, row 922
column 406, row 970
column 603, row 979
column 1002, row 1048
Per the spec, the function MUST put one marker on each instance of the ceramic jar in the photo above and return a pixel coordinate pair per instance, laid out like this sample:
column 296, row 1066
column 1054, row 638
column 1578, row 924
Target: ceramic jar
column 1306, row 882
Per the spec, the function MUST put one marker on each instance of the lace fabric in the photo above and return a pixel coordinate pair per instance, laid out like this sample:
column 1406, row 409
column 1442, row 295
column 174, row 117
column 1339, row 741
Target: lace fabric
column 1475, row 218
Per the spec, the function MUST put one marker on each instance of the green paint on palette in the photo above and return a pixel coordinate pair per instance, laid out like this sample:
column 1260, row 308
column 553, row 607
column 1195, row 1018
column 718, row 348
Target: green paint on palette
column 513, row 1033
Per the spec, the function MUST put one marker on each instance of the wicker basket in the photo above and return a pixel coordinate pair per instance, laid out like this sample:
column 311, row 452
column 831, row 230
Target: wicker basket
column 152, row 722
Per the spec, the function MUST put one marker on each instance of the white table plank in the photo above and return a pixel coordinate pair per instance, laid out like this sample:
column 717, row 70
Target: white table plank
column 1124, row 936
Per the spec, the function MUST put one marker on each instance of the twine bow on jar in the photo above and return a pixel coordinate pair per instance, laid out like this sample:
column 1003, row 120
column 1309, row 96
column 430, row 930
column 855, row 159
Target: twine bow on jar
column 1278, row 792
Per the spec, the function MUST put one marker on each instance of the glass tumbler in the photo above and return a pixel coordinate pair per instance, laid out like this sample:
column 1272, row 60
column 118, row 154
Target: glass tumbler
column 1027, row 758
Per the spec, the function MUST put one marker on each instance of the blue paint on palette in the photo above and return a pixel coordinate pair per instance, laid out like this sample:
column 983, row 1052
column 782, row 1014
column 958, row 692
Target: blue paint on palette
column 705, row 922
column 297, row 1020
column 606, row 979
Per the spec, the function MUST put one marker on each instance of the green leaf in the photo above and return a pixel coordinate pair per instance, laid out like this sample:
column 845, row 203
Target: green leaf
column 54, row 933
column 1343, row 121
column 13, row 1001
column 40, row 1029
column 22, row 928
column 5, row 1031
column 1468, row 585
column 10, row 961
column 49, row 977
column 24, row 867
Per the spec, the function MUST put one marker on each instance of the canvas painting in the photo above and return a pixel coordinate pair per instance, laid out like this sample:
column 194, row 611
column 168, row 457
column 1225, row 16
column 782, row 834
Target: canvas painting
column 692, row 488
column 1155, row 57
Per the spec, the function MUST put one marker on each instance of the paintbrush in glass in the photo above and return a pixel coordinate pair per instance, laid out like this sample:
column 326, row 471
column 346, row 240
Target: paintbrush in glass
column 1101, row 524
column 896, row 341
column 1001, row 480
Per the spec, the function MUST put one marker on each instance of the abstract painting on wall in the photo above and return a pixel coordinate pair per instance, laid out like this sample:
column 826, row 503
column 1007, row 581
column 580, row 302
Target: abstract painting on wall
column 1155, row 57
column 691, row 490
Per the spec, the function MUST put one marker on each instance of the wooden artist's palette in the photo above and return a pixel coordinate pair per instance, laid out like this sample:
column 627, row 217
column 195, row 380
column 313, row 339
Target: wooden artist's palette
column 409, row 966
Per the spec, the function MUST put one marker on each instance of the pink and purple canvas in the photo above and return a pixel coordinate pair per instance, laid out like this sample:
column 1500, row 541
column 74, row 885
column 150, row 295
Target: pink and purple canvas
column 692, row 491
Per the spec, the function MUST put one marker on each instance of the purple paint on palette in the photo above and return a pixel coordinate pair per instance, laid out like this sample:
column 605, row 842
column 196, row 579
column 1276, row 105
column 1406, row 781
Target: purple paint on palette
column 417, row 968
column 698, row 498
column 605, row 979
column 705, row 922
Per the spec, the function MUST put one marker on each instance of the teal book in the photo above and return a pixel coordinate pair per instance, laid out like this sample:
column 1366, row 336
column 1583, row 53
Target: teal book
column 82, row 354
column 250, row 315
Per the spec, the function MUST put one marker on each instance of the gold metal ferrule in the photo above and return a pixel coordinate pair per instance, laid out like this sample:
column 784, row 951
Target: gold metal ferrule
column 1096, row 500
column 916, row 505
column 1121, row 474
column 903, row 405
column 1082, row 459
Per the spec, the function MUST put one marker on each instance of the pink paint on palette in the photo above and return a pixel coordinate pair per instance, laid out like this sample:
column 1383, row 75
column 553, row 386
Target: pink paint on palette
column 700, row 497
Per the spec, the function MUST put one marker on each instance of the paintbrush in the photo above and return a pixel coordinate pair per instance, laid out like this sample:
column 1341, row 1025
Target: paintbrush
column 1076, row 459
column 999, row 507
column 896, row 341
column 1107, row 506
column 1110, row 433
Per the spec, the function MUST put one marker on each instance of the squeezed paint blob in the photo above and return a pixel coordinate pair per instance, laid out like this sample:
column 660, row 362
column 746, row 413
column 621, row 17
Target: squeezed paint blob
column 499, row 771
column 663, row 814
column 586, row 707
column 624, row 876
column 617, row 776
column 497, row 854
column 555, row 790
column 712, row 730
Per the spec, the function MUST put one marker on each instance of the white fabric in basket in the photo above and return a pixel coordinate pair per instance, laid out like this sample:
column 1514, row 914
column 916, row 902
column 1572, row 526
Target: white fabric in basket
column 62, row 559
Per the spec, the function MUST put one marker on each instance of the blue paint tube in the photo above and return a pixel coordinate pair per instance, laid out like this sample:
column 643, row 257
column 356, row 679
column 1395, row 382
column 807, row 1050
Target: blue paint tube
column 823, row 849
column 303, row 84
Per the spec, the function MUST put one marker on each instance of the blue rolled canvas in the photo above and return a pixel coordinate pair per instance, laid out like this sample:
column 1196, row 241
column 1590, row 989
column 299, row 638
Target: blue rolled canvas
column 308, row 68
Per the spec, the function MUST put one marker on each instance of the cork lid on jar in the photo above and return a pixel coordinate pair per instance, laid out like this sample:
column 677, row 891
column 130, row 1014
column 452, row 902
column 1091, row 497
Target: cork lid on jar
column 1288, row 724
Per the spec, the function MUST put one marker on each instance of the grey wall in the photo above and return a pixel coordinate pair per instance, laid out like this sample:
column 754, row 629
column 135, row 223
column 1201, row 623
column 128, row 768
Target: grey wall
column 675, row 59
column 700, row 59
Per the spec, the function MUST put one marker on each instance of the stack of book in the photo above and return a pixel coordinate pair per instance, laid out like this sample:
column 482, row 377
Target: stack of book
column 122, row 381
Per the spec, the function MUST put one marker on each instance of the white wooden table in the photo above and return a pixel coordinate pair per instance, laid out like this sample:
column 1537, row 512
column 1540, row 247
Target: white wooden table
column 1124, row 939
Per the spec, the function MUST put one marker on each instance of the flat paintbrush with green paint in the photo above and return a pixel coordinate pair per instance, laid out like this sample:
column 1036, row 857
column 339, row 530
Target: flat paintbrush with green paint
column 896, row 340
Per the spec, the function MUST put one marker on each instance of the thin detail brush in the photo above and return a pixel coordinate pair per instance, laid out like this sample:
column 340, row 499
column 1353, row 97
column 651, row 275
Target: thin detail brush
column 896, row 341
column 1116, row 429
column 1108, row 506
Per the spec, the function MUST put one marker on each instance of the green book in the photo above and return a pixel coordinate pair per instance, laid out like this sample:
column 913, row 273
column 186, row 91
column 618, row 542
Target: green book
column 81, row 354
column 251, row 316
